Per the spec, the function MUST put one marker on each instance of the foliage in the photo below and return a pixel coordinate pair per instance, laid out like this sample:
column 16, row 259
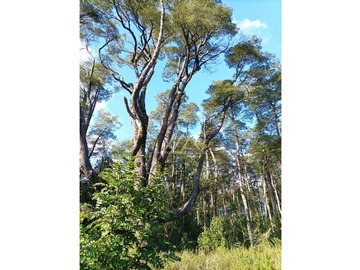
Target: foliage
column 121, row 231
column 222, row 93
column 94, row 82
column 213, row 237
column 218, row 19
column 265, row 255
column 86, row 191
column 183, row 233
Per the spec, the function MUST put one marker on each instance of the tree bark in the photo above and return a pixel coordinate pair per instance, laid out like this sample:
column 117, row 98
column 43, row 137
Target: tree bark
column 85, row 165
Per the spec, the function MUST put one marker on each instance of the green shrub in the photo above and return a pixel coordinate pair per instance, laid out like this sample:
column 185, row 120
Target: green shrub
column 213, row 237
column 121, row 231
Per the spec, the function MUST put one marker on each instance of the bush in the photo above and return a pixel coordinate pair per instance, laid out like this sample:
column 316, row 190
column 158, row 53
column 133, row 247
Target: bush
column 213, row 237
column 121, row 231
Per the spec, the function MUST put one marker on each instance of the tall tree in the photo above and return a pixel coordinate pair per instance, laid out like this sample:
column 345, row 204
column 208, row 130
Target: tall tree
column 101, row 137
column 141, row 36
column 196, row 42
column 95, row 80
column 93, row 89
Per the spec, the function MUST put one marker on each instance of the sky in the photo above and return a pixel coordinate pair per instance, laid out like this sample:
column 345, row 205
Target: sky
column 252, row 17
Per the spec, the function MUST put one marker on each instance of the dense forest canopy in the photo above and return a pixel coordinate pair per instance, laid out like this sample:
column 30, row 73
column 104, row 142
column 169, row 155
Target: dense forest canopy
column 166, row 189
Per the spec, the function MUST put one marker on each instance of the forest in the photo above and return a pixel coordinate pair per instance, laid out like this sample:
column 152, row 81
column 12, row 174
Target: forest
column 199, row 185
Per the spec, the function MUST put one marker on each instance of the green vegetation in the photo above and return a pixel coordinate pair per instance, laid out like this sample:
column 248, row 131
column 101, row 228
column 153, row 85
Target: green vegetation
column 264, row 256
column 120, row 230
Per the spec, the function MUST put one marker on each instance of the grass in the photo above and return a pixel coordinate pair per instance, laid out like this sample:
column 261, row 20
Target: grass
column 261, row 257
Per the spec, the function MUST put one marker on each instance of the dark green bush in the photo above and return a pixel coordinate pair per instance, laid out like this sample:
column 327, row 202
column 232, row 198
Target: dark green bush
column 122, row 230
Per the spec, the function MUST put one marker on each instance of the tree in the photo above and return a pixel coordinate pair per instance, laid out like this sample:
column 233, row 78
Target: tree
column 95, row 80
column 265, row 104
column 101, row 137
column 196, row 42
column 216, row 109
column 136, row 45
column 188, row 116
column 93, row 89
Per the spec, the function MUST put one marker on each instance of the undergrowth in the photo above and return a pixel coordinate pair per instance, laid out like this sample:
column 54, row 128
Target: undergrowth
column 263, row 256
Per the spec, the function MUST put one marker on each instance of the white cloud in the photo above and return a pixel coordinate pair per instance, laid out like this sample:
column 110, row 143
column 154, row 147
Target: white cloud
column 246, row 24
column 196, row 136
column 100, row 106
column 85, row 53
column 257, row 28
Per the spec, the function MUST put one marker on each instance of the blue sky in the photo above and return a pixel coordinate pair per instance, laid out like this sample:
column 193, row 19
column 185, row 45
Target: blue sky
column 253, row 17
column 262, row 18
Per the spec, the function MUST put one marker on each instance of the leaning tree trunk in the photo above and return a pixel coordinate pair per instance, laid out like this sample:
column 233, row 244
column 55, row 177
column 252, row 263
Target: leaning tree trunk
column 196, row 180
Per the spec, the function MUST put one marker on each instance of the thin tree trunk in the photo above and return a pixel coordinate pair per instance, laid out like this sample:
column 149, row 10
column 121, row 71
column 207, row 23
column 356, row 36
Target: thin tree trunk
column 197, row 216
column 224, row 205
column 246, row 178
column 265, row 199
column 207, row 176
column 272, row 195
column 194, row 192
column 243, row 198
column 276, row 194
column 216, row 175
column 167, row 126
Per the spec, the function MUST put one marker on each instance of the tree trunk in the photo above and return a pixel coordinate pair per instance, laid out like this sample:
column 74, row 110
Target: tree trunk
column 137, row 109
column 242, row 194
column 272, row 195
column 224, row 205
column 85, row 165
column 171, row 113
column 265, row 199
column 216, row 175
column 276, row 194
column 194, row 192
